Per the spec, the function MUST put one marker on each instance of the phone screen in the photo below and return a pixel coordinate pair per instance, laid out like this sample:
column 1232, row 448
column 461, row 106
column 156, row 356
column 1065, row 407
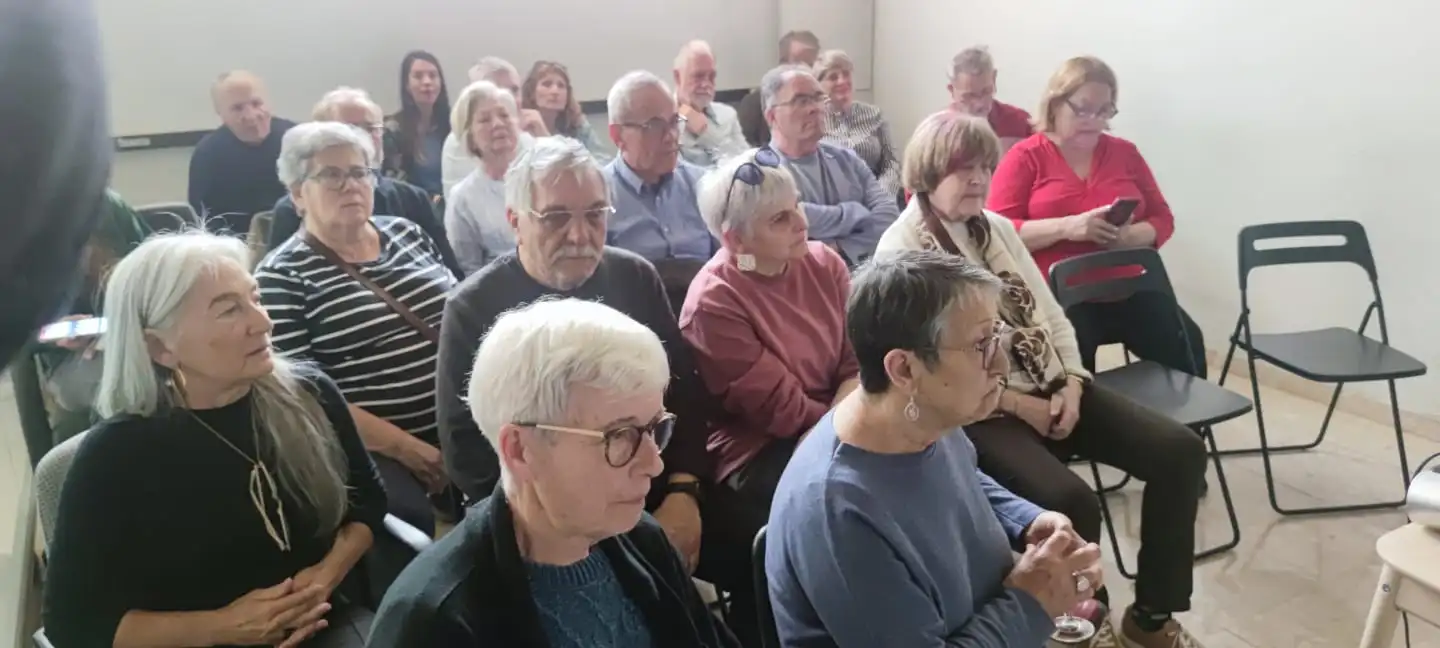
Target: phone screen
column 1120, row 212
column 89, row 327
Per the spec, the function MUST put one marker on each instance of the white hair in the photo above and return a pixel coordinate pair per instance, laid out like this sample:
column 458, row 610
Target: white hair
column 777, row 190
column 618, row 101
column 542, row 162
column 144, row 295
column 307, row 140
column 535, row 355
column 775, row 80
column 463, row 112
column 689, row 50
column 972, row 60
column 489, row 65
column 325, row 109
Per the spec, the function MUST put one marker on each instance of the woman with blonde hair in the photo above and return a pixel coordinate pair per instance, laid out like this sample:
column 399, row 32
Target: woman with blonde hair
column 487, row 121
column 226, row 498
column 1051, row 410
column 1061, row 188
column 547, row 89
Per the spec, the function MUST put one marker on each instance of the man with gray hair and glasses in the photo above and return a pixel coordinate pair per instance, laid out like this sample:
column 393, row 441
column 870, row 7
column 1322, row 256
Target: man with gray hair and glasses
column 972, row 91
column 559, row 206
column 846, row 205
column 455, row 161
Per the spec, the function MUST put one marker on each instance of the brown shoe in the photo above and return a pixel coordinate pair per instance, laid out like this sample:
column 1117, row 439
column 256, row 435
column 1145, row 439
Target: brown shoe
column 1170, row 635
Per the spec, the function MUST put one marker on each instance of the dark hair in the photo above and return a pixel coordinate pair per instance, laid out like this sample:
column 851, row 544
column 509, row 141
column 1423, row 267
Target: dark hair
column 571, row 117
column 802, row 35
column 409, row 138
column 899, row 300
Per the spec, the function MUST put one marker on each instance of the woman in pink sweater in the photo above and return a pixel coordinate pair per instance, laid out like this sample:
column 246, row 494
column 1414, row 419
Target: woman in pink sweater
column 766, row 317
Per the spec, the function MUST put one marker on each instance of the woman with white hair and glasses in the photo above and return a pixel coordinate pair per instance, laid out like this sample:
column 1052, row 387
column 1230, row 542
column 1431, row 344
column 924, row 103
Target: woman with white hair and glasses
column 226, row 497
column 570, row 394
column 486, row 119
column 361, row 296
column 766, row 319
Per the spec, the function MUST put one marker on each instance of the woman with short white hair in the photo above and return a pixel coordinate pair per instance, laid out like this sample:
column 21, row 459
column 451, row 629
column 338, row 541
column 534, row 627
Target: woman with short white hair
column 486, row 119
column 856, row 125
column 361, row 296
column 766, row 319
column 226, row 497
column 570, row 394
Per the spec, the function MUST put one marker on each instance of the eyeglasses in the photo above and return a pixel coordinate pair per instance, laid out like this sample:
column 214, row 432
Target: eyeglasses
column 806, row 100
column 657, row 126
column 622, row 443
column 990, row 347
column 751, row 173
column 559, row 219
column 334, row 178
column 1105, row 112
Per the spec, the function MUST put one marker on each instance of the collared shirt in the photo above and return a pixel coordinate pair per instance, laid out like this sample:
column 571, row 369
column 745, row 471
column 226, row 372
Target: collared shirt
column 721, row 139
column 661, row 220
column 863, row 129
column 843, row 201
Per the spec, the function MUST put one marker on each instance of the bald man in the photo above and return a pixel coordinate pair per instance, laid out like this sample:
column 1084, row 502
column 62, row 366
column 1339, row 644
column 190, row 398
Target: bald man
column 712, row 130
column 232, row 171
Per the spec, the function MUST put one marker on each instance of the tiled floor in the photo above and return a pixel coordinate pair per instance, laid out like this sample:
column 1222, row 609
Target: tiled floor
column 1292, row 582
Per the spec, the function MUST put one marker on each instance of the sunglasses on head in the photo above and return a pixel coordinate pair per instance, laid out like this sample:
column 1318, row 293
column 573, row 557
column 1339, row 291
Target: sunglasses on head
column 751, row 173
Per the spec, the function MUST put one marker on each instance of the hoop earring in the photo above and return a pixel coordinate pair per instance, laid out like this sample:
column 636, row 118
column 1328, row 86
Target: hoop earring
column 176, row 382
column 745, row 262
column 911, row 411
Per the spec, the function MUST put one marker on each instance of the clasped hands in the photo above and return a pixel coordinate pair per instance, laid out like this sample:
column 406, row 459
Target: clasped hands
column 1053, row 419
column 1058, row 568
column 285, row 615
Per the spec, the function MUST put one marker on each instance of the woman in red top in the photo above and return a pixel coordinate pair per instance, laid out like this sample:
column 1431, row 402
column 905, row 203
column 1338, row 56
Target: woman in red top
column 1057, row 185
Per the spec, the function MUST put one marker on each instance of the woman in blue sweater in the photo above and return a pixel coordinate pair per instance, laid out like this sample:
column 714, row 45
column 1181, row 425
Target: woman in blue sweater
column 883, row 531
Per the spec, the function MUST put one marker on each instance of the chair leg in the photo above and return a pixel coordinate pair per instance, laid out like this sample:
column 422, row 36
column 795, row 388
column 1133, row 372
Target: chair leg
column 1229, row 503
column 1110, row 526
column 1102, row 489
column 1297, row 447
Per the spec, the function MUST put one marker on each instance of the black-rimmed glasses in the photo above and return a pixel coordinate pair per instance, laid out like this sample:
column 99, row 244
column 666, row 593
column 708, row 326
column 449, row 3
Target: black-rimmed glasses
column 621, row 443
column 751, row 172
column 334, row 178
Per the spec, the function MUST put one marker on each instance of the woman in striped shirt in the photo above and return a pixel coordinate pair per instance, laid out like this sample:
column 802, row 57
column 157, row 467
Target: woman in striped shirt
column 856, row 125
column 361, row 296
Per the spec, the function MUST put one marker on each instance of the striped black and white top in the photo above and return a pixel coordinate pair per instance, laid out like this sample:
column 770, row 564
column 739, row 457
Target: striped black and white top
column 380, row 362
column 862, row 128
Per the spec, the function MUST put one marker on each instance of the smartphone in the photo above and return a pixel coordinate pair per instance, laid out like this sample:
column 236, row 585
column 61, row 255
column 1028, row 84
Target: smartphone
column 81, row 328
column 1121, row 211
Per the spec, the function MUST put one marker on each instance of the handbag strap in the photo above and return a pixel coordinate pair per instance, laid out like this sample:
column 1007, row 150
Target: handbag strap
column 936, row 228
column 425, row 330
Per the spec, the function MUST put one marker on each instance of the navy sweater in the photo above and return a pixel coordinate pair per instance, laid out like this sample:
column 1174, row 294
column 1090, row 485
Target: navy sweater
column 231, row 181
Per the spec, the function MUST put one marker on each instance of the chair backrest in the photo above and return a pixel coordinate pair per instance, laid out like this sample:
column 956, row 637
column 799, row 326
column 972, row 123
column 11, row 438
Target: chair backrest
column 50, row 478
column 1070, row 286
column 169, row 217
column 258, row 239
column 1355, row 248
column 769, row 633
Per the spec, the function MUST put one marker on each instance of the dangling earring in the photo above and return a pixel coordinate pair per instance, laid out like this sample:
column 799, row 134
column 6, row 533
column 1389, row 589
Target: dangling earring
column 745, row 262
column 912, row 411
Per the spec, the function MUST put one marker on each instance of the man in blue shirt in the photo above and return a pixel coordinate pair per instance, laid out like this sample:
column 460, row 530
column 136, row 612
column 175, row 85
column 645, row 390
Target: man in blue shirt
column 653, row 191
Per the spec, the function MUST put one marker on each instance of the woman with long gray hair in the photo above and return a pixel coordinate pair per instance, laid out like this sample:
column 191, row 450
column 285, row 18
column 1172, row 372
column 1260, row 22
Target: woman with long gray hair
column 226, row 496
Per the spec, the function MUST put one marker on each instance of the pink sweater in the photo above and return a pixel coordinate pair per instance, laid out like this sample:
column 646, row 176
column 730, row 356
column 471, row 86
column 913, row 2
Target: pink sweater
column 772, row 349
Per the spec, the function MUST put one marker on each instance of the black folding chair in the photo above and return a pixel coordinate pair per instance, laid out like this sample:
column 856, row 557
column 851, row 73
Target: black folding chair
column 769, row 633
column 1330, row 355
column 1181, row 396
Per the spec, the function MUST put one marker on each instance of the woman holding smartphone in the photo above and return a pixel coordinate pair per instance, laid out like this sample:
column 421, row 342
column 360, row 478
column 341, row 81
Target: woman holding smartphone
column 1073, row 189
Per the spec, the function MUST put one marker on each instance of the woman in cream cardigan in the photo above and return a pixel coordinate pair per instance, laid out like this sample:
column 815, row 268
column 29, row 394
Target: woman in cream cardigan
column 1051, row 410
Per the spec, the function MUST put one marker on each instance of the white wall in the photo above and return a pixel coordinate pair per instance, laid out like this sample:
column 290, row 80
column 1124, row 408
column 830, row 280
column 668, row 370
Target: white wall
column 1248, row 112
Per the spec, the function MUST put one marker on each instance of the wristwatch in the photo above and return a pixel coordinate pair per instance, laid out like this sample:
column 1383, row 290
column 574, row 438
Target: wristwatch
column 691, row 488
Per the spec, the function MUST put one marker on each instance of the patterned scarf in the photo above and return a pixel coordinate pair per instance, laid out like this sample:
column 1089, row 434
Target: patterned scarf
column 1036, row 366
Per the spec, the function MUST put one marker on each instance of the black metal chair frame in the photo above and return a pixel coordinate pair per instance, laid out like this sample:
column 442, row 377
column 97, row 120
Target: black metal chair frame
column 769, row 633
column 1153, row 279
column 1355, row 250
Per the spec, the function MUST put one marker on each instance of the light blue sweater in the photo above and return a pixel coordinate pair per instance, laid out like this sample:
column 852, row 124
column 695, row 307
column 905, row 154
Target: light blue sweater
column 909, row 550
column 843, row 201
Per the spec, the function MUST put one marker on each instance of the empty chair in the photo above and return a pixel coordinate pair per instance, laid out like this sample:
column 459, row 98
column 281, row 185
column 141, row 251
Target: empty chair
column 1329, row 355
column 1179, row 395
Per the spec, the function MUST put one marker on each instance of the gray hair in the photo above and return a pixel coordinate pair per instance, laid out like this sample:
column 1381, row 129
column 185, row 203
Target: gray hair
column 832, row 61
column 689, row 50
column 542, row 162
column 144, row 294
column 469, row 101
column 775, row 80
column 618, row 101
column 727, row 204
column 324, row 109
column 489, row 65
column 902, row 300
column 803, row 35
column 307, row 140
column 972, row 60
column 534, row 356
